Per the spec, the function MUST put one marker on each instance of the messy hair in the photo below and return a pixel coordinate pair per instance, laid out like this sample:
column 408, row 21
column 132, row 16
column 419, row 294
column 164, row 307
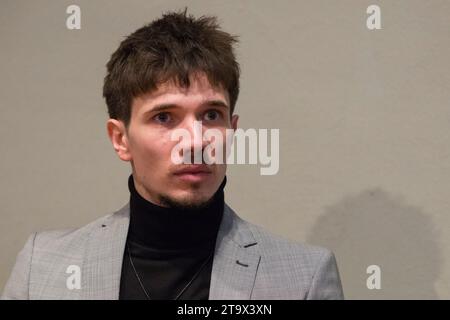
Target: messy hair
column 171, row 48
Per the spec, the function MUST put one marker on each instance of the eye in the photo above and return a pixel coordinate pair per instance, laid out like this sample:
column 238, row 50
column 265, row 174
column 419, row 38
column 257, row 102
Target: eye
column 162, row 117
column 212, row 115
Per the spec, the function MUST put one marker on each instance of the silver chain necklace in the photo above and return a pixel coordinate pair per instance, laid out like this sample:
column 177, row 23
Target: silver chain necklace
column 184, row 289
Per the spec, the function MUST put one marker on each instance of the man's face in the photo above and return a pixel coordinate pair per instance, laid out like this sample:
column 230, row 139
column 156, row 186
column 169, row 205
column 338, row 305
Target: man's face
column 148, row 145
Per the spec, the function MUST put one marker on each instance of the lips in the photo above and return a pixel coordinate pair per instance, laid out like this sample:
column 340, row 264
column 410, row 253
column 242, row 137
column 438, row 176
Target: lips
column 193, row 173
column 194, row 169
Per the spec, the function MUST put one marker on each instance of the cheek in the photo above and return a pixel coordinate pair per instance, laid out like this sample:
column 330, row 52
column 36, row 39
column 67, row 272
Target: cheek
column 154, row 149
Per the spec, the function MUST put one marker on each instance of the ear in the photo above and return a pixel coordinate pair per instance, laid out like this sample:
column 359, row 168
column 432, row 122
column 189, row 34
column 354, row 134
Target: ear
column 234, row 121
column 118, row 135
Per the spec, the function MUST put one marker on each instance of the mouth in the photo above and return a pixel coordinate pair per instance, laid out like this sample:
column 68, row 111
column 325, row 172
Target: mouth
column 193, row 173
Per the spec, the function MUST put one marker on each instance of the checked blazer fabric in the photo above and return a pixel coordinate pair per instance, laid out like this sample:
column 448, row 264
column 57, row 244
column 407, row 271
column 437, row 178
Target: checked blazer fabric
column 250, row 263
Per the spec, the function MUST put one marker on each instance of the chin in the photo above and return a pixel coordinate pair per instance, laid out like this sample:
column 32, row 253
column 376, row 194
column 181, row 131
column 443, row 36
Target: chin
column 187, row 200
column 195, row 198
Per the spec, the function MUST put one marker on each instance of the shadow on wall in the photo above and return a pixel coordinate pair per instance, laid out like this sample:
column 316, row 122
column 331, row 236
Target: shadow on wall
column 375, row 228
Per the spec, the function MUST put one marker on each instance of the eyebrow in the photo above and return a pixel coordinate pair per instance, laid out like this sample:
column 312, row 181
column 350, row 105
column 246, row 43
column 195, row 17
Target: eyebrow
column 167, row 106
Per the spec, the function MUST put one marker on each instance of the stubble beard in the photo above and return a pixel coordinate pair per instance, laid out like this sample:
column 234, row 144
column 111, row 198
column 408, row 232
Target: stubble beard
column 184, row 204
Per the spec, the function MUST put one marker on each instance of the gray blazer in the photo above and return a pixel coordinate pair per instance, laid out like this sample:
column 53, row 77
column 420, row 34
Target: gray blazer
column 249, row 263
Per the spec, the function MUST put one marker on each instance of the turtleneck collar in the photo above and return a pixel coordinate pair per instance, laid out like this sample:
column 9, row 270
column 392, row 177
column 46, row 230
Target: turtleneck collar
column 164, row 228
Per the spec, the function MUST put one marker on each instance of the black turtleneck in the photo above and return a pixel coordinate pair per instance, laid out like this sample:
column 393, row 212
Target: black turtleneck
column 168, row 246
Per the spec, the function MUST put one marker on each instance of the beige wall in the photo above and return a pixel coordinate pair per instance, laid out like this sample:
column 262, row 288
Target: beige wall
column 363, row 115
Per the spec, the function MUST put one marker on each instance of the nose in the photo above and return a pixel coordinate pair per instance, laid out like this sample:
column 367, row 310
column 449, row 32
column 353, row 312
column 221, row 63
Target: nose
column 193, row 148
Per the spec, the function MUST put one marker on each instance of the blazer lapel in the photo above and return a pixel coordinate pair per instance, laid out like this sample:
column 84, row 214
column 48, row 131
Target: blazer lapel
column 102, row 266
column 236, row 260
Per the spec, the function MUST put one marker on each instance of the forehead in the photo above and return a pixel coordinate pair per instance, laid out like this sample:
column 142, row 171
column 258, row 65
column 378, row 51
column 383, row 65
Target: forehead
column 199, row 91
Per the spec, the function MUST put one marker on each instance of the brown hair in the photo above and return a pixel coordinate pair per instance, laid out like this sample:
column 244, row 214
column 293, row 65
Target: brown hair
column 172, row 48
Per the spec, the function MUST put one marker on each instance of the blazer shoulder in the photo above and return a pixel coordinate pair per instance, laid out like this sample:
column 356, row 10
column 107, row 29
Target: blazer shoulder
column 55, row 238
column 310, row 269
column 61, row 238
column 44, row 248
column 271, row 242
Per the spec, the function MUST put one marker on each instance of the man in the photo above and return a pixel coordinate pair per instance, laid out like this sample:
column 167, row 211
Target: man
column 176, row 238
